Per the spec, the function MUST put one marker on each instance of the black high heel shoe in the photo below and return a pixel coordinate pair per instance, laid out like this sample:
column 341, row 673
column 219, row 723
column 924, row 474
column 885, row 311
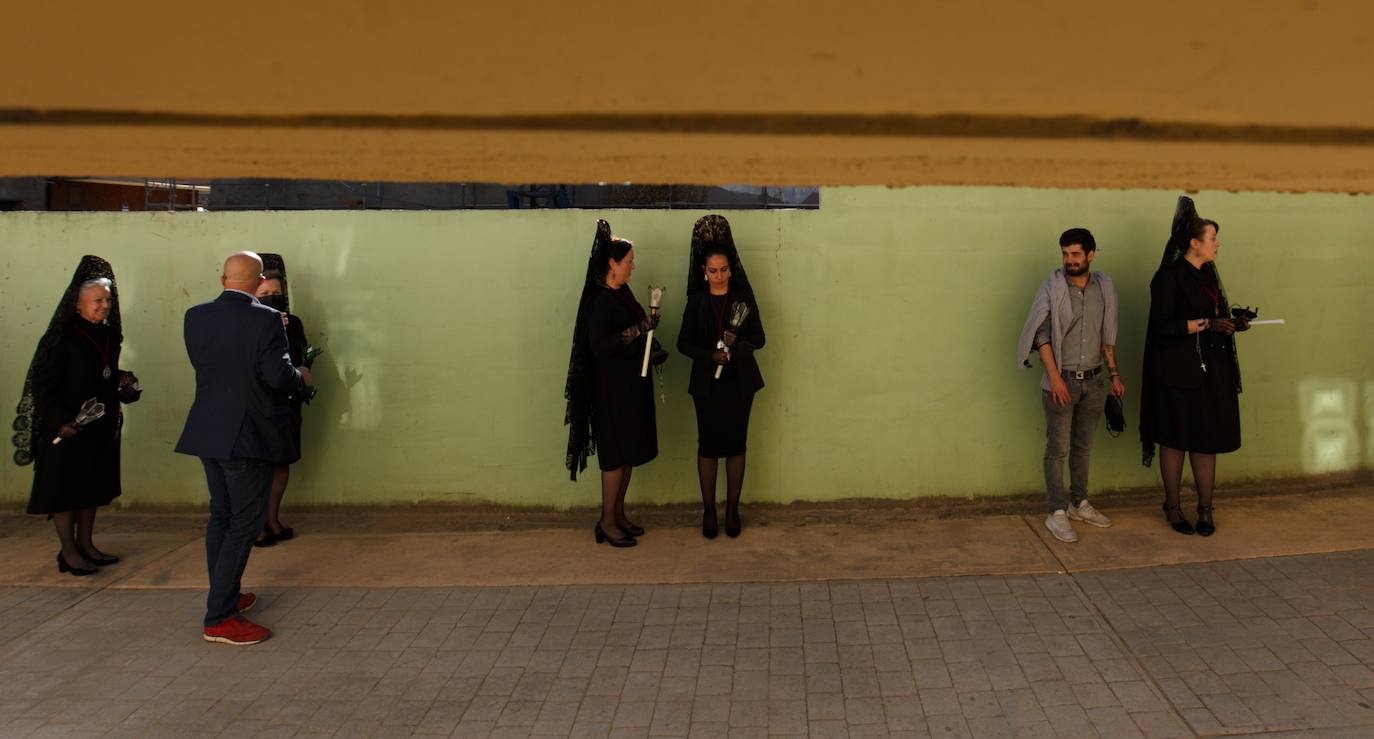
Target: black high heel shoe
column 709, row 530
column 633, row 529
column 1205, row 527
column 601, row 536
column 102, row 560
column 732, row 531
column 1174, row 515
column 65, row 568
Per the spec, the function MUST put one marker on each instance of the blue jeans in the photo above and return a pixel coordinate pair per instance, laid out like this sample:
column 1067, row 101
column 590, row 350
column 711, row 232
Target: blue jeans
column 1069, row 431
column 239, row 492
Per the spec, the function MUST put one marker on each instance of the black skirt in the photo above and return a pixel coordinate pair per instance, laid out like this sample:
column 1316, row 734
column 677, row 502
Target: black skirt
column 624, row 423
column 1204, row 419
column 723, row 420
column 80, row 472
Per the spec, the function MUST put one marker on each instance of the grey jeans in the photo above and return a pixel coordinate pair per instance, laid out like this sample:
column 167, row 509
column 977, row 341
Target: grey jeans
column 1069, row 431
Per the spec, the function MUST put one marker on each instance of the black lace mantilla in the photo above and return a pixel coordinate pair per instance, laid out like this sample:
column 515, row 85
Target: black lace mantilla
column 578, row 390
column 714, row 230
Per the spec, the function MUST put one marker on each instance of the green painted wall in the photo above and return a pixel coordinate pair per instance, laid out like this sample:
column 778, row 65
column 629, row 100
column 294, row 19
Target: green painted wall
column 892, row 316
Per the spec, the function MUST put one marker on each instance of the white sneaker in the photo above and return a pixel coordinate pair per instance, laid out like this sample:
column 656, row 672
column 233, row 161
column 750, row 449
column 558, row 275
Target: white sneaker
column 1058, row 524
column 1086, row 513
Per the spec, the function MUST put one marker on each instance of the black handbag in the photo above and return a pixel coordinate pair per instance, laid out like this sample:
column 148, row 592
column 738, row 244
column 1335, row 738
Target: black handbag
column 1116, row 416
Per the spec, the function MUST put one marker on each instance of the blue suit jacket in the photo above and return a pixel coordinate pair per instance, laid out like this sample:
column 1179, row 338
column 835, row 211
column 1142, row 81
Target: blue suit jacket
column 243, row 375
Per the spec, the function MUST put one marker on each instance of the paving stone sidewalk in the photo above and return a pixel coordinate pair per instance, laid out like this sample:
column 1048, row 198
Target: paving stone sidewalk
column 1251, row 646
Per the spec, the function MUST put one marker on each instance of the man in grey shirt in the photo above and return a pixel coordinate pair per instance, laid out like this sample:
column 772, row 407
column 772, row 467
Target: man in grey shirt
column 1072, row 326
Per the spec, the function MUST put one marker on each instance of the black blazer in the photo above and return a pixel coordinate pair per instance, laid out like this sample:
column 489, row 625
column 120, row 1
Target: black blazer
column 697, row 339
column 243, row 375
column 1177, row 297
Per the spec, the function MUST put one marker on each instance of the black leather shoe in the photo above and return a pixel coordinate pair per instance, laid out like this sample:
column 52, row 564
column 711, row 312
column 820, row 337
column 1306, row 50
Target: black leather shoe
column 285, row 534
column 266, row 540
column 708, row 525
column 1205, row 527
column 732, row 531
column 632, row 529
column 63, row 567
column 101, row 561
column 1174, row 515
column 624, row 541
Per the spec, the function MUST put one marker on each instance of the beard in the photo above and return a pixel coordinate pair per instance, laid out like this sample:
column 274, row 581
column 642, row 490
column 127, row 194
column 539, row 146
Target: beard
column 1078, row 271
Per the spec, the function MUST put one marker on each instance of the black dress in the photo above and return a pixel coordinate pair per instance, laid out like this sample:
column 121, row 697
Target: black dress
column 623, row 407
column 83, row 471
column 1191, row 409
column 295, row 347
column 723, row 405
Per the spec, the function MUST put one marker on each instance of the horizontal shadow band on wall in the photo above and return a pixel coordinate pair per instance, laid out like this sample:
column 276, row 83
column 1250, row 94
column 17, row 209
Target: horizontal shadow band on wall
column 808, row 124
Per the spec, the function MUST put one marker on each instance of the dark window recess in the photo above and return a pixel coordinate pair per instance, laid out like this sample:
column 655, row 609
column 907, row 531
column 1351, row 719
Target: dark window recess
column 114, row 193
column 259, row 194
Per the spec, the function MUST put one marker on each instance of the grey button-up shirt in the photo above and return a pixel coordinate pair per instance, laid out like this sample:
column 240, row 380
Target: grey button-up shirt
column 1082, row 347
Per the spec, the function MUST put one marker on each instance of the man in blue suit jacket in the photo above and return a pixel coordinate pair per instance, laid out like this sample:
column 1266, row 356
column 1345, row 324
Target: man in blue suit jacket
column 240, row 427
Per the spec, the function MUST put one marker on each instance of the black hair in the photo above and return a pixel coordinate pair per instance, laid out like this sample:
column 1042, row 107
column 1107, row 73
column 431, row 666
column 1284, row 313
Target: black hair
column 715, row 250
column 616, row 249
column 1197, row 228
column 275, row 274
column 1080, row 236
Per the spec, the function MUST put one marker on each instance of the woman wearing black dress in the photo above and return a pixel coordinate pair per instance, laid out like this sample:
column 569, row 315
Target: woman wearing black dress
column 76, row 360
column 610, row 408
column 716, row 282
column 1189, row 402
column 273, row 292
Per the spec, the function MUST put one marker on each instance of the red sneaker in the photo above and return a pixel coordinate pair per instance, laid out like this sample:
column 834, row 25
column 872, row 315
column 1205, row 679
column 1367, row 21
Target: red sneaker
column 246, row 601
column 236, row 630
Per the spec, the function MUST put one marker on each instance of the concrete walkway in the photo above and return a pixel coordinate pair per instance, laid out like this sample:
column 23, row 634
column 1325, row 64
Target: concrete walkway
column 168, row 551
column 976, row 626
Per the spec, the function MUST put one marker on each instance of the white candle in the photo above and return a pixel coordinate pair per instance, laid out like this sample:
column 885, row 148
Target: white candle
column 655, row 299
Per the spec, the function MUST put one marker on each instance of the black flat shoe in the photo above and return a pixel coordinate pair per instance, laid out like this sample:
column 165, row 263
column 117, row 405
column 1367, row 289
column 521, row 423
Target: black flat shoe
column 268, row 539
column 1174, row 515
column 624, row 541
column 709, row 530
column 65, row 568
column 1205, row 527
column 286, row 534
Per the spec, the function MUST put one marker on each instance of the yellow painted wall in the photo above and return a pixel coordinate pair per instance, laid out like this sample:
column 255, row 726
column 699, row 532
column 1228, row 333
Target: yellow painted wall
column 892, row 316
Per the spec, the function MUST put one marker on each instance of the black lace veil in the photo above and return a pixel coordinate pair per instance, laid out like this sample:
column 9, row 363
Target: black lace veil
column 581, row 370
column 26, row 421
column 714, row 230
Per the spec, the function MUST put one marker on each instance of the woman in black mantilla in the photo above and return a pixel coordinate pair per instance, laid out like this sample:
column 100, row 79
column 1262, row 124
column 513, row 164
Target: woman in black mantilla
column 274, row 292
column 76, row 360
column 610, row 411
column 1188, row 401
column 716, row 282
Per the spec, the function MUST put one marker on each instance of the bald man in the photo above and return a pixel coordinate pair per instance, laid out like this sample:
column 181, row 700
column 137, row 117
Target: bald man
column 240, row 427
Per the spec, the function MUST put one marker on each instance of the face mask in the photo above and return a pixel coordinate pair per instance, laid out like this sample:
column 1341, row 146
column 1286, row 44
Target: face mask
column 274, row 301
